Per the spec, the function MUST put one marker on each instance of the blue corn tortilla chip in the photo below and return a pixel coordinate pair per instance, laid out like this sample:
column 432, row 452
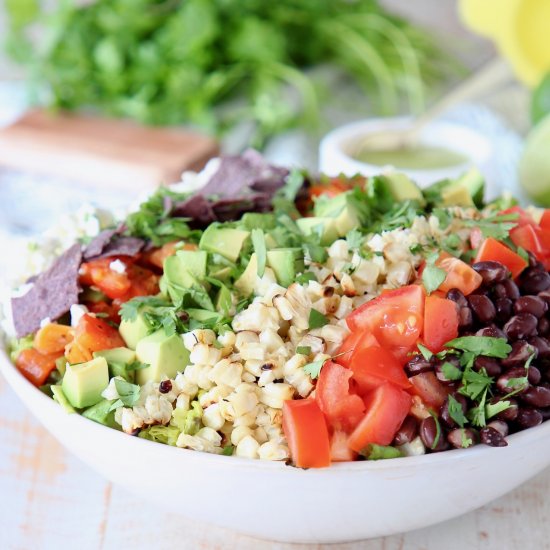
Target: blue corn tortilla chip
column 51, row 296
column 98, row 243
column 108, row 243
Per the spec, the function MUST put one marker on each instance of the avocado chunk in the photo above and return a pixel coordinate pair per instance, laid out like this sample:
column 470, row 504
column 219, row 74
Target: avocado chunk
column 246, row 282
column 176, row 273
column 102, row 414
column 325, row 226
column 84, row 382
column 133, row 331
column 226, row 241
column 402, row 187
column 473, row 181
column 224, row 300
column 202, row 315
column 456, row 195
column 165, row 355
column 255, row 220
column 59, row 396
column 285, row 263
column 342, row 209
column 118, row 360
column 193, row 261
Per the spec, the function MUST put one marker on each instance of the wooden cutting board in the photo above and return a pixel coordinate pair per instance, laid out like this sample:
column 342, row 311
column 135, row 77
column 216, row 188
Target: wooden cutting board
column 102, row 152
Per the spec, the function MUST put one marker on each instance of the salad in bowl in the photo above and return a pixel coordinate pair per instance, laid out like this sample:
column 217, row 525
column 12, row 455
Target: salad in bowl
column 262, row 313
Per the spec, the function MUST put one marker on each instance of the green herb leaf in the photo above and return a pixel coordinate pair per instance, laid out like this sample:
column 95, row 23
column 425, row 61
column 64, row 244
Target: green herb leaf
column 476, row 415
column 314, row 368
column 497, row 226
column 482, row 345
column 492, row 409
column 474, row 384
column 128, row 394
column 258, row 242
column 450, row 371
column 381, row 452
column 456, row 412
column 355, row 239
column 228, row 450
column 433, row 277
column 426, row 353
column 317, row 319
column 303, row 350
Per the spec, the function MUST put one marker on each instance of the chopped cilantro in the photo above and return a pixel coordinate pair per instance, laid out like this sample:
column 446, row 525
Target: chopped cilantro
column 426, row 353
column 314, row 368
column 228, row 450
column 476, row 415
column 474, row 384
column 381, row 452
column 496, row 226
column 450, row 371
column 482, row 345
column 303, row 350
column 355, row 239
column 128, row 394
column 305, row 277
column 317, row 319
column 432, row 276
column 492, row 409
column 456, row 412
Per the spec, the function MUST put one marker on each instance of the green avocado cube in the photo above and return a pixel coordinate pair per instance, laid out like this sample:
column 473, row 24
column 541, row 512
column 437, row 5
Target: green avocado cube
column 402, row 187
column 326, row 227
column 245, row 283
column 84, row 382
column 165, row 355
column 194, row 262
column 226, row 241
column 118, row 360
column 133, row 331
column 59, row 396
column 283, row 261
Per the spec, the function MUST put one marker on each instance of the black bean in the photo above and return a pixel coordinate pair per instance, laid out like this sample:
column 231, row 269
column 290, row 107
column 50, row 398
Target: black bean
column 533, row 262
column 490, row 364
column 521, row 351
column 462, row 438
column 514, row 379
column 500, row 426
column 465, row 317
column 521, row 326
column 545, row 295
column 165, row 386
column 545, row 414
column 482, row 307
column 491, row 272
column 407, row 432
column 542, row 345
column 508, row 414
column 531, row 304
column 512, row 290
column 533, row 281
column 538, row 396
column 499, row 291
column 456, row 296
column 417, row 365
column 528, row 418
column 543, row 326
column 504, row 307
column 444, row 412
column 492, row 331
column 533, row 375
column 432, row 438
column 493, row 438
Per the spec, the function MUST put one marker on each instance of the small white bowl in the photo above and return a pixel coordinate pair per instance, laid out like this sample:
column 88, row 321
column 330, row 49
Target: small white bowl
column 335, row 151
column 346, row 502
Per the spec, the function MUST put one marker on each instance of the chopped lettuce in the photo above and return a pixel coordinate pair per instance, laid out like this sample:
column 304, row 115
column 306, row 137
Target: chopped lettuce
column 188, row 422
column 161, row 434
column 17, row 345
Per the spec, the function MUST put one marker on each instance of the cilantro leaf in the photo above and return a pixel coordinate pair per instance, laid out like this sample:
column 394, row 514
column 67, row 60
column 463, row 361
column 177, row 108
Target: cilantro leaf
column 492, row 409
column 228, row 450
column 456, row 412
column 476, row 415
column 303, row 350
column 475, row 383
column 433, row 277
column 317, row 319
column 314, row 368
column 293, row 184
column 355, row 239
column 426, row 353
column 381, row 452
column 450, row 371
column 496, row 226
column 482, row 345
column 128, row 394
column 258, row 242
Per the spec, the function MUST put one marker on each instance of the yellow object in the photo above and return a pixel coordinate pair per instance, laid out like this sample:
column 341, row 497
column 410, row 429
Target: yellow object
column 520, row 29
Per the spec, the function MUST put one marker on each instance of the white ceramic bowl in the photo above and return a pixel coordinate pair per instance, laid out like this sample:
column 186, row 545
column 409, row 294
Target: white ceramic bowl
column 348, row 501
column 337, row 146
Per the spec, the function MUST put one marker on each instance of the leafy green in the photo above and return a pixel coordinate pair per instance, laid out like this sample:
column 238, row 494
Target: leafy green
column 450, row 371
column 355, row 239
column 188, row 422
column 474, row 384
column 218, row 64
column 426, row 353
column 258, row 242
column 18, row 345
column 317, row 319
column 540, row 100
column 497, row 226
column 492, row 409
column 432, row 276
column 482, row 345
column 303, row 350
column 228, row 450
column 381, row 452
column 314, row 368
column 161, row 434
column 128, row 394
column 456, row 412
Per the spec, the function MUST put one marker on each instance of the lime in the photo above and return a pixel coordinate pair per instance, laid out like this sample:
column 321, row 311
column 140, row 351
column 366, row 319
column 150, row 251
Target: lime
column 540, row 102
column 534, row 165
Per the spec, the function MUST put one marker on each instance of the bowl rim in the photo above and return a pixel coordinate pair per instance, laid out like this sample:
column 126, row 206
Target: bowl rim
column 15, row 378
column 338, row 138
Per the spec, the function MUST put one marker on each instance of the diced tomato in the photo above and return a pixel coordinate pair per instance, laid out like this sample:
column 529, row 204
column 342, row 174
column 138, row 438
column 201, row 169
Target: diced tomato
column 476, row 237
column 395, row 318
column 156, row 256
column 493, row 250
column 545, row 220
column 432, row 392
column 92, row 334
column 387, row 407
column 440, row 322
column 524, row 218
column 373, row 366
column 342, row 408
column 110, row 310
column 36, row 366
column 306, row 432
column 528, row 237
column 354, row 342
column 459, row 274
column 143, row 283
column 339, row 450
column 52, row 338
column 334, row 187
